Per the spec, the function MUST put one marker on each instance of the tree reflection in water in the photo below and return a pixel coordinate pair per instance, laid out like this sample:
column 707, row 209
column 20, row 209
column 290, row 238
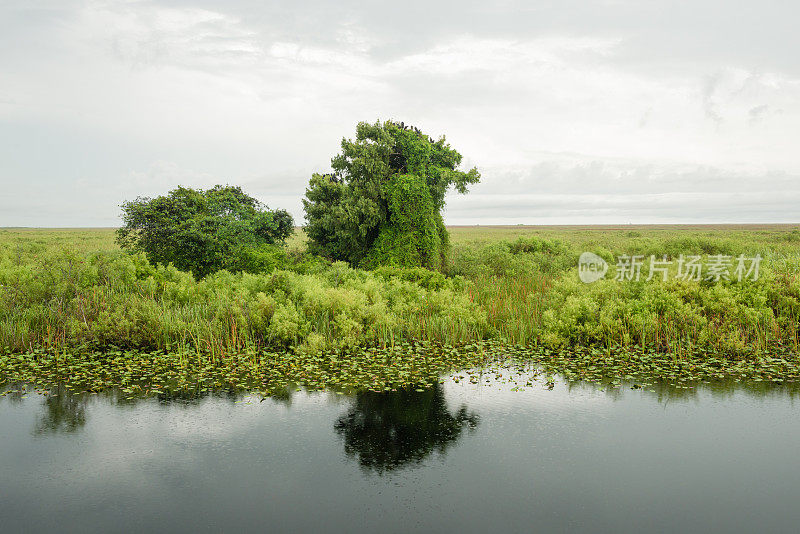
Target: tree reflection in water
column 389, row 431
column 63, row 411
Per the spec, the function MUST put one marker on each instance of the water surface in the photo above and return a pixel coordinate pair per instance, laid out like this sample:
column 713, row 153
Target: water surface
column 456, row 458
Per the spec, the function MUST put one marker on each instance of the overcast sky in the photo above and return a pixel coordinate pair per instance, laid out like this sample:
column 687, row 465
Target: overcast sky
column 611, row 111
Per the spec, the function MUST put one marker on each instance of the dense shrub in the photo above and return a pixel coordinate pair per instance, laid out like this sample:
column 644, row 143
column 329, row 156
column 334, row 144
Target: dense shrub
column 206, row 231
column 64, row 300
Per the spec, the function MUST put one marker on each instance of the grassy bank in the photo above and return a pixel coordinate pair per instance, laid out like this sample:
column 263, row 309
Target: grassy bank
column 67, row 289
column 529, row 288
column 74, row 292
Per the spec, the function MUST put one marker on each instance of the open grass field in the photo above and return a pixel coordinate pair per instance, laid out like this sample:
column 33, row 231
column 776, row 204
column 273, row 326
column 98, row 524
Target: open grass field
column 102, row 239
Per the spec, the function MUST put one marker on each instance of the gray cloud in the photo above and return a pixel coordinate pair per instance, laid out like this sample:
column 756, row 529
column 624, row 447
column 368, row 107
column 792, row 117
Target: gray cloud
column 664, row 103
column 625, row 192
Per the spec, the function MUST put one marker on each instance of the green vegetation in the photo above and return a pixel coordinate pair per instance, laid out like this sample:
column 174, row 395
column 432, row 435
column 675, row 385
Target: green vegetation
column 525, row 291
column 531, row 292
column 407, row 366
column 63, row 300
column 205, row 231
column 72, row 303
column 382, row 203
column 137, row 373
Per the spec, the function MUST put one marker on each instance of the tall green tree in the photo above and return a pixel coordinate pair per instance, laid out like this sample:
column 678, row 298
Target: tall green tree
column 382, row 203
column 205, row 231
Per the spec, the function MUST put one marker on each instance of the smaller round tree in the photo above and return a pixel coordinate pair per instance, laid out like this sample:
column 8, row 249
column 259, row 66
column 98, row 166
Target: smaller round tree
column 205, row 231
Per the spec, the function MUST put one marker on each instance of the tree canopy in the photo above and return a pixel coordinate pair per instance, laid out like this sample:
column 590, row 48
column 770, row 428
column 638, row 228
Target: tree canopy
column 382, row 203
column 204, row 231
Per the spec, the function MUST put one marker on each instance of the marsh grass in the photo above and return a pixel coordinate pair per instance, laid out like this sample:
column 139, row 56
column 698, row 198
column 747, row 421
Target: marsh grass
column 73, row 291
column 526, row 281
column 57, row 297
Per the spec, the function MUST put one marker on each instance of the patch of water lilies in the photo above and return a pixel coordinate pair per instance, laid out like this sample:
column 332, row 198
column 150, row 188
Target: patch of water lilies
column 613, row 367
column 146, row 373
column 416, row 365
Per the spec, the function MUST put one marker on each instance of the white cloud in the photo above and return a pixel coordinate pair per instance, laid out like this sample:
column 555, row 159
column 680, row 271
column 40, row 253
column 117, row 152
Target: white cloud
column 467, row 53
column 141, row 95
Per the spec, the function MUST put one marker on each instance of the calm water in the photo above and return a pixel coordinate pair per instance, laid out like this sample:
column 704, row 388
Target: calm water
column 458, row 458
